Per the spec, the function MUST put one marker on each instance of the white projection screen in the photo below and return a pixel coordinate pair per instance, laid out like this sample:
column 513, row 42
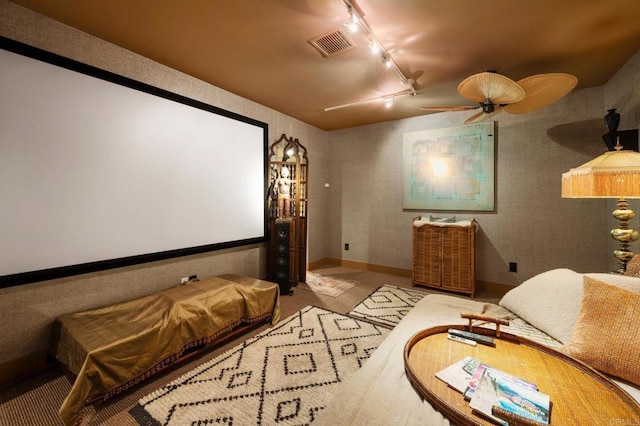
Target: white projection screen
column 98, row 171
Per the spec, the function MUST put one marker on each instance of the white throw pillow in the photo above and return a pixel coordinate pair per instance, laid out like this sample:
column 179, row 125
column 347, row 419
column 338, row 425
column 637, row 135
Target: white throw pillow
column 551, row 301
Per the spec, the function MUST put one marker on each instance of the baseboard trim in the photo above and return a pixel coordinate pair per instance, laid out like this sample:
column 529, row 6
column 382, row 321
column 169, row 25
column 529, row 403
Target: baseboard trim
column 16, row 370
column 360, row 265
column 485, row 286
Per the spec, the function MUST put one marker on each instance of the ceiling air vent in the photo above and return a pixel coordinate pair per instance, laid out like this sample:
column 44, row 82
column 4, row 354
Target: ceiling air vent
column 332, row 43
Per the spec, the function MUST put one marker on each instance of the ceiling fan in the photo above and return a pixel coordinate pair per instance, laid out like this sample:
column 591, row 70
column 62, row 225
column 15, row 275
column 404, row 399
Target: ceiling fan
column 494, row 93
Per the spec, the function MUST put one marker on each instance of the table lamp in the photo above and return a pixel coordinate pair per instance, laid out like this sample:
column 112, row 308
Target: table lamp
column 614, row 174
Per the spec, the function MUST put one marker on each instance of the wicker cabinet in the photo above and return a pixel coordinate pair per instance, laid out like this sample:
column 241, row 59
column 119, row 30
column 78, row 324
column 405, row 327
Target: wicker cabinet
column 444, row 255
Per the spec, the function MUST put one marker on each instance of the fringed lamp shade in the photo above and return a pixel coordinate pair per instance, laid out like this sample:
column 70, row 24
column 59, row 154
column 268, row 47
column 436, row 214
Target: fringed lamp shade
column 614, row 174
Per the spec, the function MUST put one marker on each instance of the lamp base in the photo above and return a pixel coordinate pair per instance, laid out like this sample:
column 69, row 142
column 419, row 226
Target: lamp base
column 624, row 234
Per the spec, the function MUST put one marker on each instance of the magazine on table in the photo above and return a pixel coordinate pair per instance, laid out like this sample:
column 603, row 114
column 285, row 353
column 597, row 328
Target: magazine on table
column 485, row 387
column 458, row 375
column 473, row 382
column 503, row 390
column 471, row 365
column 477, row 375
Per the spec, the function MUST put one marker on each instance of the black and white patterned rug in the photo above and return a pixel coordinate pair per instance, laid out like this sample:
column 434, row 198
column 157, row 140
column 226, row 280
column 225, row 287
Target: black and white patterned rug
column 282, row 376
column 387, row 305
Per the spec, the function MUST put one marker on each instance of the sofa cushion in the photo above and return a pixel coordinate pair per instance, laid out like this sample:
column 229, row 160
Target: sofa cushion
column 551, row 300
column 606, row 335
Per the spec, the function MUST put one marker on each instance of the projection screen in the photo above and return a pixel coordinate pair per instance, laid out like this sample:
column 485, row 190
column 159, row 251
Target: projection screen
column 99, row 171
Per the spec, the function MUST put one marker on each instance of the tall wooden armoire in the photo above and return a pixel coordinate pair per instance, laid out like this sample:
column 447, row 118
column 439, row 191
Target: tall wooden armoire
column 288, row 174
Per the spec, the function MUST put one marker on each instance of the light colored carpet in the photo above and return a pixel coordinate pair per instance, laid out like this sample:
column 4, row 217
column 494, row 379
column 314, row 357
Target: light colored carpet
column 282, row 376
column 387, row 305
column 327, row 285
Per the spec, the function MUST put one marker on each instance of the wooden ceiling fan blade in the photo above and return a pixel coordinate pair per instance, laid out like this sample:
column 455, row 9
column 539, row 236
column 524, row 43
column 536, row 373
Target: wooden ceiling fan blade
column 488, row 85
column 482, row 116
column 451, row 108
column 542, row 90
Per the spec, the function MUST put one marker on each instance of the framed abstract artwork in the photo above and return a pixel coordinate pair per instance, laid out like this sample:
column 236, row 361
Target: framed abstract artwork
column 450, row 168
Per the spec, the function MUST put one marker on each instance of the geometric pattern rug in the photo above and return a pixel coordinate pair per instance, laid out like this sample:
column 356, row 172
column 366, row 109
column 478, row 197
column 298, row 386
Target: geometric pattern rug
column 282, row 376
column 387, row 305
column 324, row 284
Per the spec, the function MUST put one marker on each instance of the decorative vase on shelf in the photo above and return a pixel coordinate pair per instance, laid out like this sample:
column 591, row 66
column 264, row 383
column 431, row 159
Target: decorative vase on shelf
column 612, row 120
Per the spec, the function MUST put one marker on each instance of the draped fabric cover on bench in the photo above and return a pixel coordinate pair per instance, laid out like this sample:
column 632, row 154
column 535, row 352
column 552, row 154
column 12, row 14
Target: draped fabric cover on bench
column 110, row 348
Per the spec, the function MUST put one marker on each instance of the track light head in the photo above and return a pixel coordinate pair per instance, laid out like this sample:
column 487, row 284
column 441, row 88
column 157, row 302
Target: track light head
column 352, row 22
column 357, row 22
column 386, row 60
column 374, row 46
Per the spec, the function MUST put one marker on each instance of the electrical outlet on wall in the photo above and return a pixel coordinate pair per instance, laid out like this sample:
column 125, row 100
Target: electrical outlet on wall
column 346, row 246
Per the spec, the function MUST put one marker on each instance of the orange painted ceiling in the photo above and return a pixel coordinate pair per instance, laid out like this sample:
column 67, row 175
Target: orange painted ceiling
column 259, row 49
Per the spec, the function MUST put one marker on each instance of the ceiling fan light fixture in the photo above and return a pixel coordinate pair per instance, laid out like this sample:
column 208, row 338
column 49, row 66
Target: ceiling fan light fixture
column 494, row 92
column 488, row 107
column 488, row 85
column 542, row 90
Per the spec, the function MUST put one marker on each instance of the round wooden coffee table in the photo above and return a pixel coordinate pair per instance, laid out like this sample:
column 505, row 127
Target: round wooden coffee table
column 579, row 394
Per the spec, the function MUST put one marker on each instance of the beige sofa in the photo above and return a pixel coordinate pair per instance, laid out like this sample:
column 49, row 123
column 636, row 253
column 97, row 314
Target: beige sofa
column 554, row 308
